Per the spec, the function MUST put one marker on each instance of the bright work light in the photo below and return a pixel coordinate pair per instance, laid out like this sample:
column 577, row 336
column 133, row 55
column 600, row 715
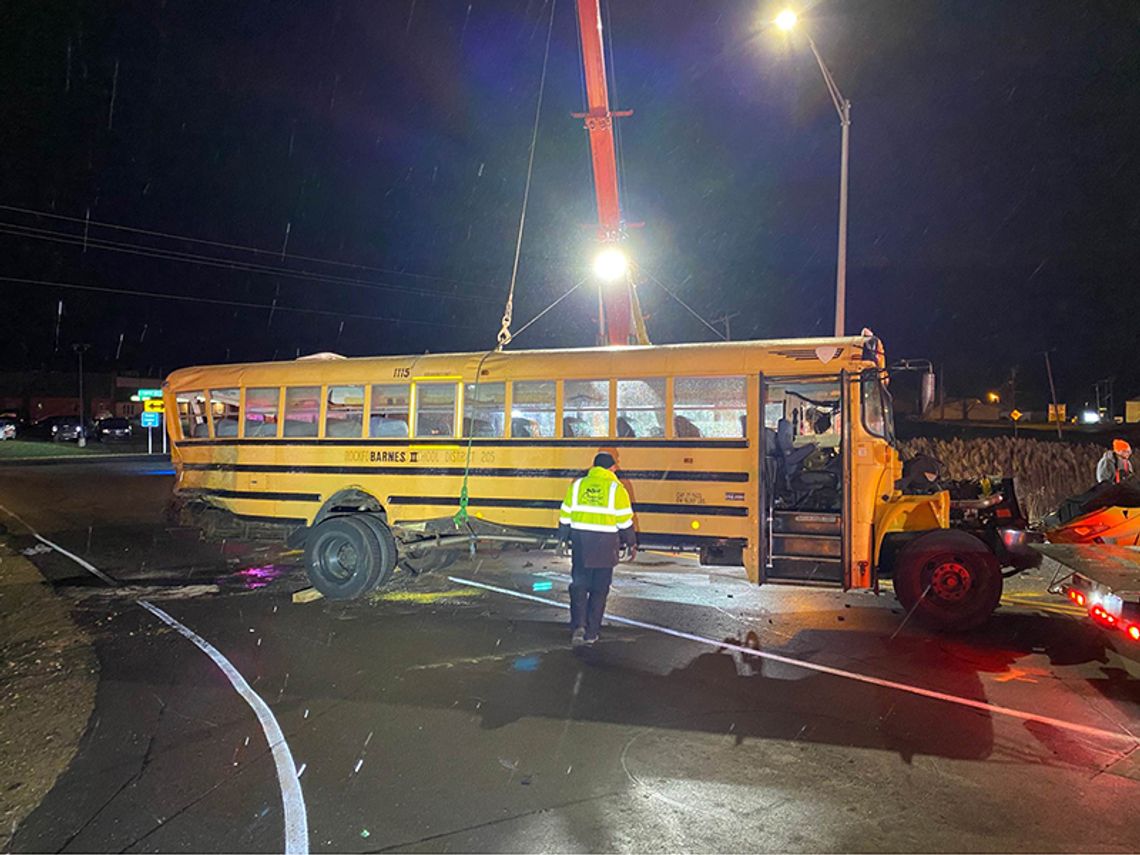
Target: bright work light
column 786, row 20
column 610, row 264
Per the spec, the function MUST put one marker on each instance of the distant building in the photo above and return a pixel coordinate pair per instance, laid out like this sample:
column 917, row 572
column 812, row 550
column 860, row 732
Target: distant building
column 36, row 395
column 964, row 410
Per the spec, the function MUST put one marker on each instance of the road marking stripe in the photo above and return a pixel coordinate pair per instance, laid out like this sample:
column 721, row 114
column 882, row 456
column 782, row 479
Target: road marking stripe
column 994, row 709
column 84, row 564
column 292, row 798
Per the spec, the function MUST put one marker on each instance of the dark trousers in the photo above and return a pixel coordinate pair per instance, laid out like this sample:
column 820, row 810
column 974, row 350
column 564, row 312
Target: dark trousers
column 588, row 590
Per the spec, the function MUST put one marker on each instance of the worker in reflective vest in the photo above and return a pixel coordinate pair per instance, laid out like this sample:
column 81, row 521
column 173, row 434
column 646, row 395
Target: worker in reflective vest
column 597, row 521
column 1116, row 465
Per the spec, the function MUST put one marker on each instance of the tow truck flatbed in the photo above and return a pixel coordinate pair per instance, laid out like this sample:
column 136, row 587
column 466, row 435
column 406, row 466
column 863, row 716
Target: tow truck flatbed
column 1104, row 578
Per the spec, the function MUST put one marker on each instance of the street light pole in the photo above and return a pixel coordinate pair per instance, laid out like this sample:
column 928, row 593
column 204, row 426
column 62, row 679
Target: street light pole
column 787, row 21
column 79, row 350
column 843, row 110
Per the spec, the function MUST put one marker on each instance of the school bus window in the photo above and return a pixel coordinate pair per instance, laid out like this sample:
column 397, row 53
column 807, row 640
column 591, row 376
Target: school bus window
column 192, row 414
column 344, row 416
column 261, row 411
column 586, row 408
column 804, row 413
column 302, row 410
column 709, row 406
column 224, row 404
column 641, row 408
column 389, row 410
column 435, row 409
column 532, row 408
column 484, row 409
column 877, row 418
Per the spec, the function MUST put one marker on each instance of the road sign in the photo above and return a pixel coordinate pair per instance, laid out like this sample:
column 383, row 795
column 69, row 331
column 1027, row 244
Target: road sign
column 1015, row 415
column 146, row 394
column 1057, row 412
column 153, row 405
column 151, row 420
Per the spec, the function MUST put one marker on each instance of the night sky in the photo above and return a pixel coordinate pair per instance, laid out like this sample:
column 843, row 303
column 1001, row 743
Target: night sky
column 994, row 183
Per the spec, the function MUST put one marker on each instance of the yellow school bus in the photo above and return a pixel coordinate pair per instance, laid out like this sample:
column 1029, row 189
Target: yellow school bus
column 777, row 456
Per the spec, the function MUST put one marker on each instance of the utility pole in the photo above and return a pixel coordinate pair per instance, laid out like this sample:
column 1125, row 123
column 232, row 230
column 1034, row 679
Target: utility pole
column 1053, row 392
column 726, row 319
column 80, row 349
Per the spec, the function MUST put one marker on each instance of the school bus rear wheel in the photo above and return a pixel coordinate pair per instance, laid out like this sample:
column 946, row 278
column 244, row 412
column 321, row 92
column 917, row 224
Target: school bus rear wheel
column 949, row 580
column 345, row 558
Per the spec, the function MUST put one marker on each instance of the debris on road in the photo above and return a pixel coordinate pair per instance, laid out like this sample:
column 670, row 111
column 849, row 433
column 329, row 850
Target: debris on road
column 306, row 595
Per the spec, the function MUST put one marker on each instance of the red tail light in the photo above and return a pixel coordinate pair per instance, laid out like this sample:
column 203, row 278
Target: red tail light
column 1133, row 631
column 1098, row 614
column 1077, row 597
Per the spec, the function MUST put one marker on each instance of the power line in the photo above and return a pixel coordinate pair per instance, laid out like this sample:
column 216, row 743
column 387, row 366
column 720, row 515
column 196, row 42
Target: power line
column 686, row 306
column 242, row 247
column 227, row 264
column 73, row 286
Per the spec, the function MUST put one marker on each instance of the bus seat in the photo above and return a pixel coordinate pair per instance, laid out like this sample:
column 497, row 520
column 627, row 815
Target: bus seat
column 771, row 445
column 624, row 428
column 296, row 427
column 343, row 428
column 380, row 426
column 226, row 427
column 683, row 428
column 426, row 425
column 572, row 426
column 477, row 427
column 201, row 430
column 521, row 427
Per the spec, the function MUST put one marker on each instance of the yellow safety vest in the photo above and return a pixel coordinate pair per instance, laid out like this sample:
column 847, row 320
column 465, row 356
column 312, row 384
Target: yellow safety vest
column 597, row 502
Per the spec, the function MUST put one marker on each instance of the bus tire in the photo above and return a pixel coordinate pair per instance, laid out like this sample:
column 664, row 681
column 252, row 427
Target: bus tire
column 342, row 558
column 389, row 552
column 949, row 580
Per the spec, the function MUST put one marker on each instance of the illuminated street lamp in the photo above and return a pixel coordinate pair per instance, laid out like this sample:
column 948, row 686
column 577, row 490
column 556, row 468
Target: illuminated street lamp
column 787, row 21
column 993, row 397
column 611, row 265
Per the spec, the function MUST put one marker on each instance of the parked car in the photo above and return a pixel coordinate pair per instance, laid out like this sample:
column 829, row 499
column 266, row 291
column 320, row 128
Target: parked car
column 60, row 428
column 112, row 429
column 8, row 428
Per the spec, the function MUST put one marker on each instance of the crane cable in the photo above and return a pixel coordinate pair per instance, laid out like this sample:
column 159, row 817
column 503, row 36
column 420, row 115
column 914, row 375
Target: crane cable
column 461, row 517
column 504, row 336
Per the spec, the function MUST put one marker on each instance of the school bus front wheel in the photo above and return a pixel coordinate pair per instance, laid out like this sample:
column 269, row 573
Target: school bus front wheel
column 948, row 580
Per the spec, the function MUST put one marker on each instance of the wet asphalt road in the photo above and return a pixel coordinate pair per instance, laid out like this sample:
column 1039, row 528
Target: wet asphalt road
column 443, row 718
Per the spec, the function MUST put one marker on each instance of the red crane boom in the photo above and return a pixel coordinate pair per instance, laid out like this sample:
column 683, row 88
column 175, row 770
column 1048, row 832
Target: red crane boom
column 621, row 321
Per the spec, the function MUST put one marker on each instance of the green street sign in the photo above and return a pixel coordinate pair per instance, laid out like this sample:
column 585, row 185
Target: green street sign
column 145, row 394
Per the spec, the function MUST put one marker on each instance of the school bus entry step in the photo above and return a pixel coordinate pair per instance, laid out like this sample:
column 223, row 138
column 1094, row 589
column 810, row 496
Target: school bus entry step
column 806, row 547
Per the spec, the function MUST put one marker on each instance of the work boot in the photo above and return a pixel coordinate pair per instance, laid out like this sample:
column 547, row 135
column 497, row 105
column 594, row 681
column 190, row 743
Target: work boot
column 578, row 637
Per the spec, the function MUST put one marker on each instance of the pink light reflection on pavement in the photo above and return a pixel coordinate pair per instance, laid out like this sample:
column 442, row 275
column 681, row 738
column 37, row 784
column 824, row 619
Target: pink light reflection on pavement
column 253, row 578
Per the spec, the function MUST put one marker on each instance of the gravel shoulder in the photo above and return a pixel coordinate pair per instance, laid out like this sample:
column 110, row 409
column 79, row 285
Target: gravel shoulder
column 48, row 677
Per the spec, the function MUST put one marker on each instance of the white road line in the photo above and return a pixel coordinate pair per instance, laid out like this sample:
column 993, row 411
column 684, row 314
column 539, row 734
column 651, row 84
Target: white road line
column 85, row 565
column 292, row 798
column 994, row 709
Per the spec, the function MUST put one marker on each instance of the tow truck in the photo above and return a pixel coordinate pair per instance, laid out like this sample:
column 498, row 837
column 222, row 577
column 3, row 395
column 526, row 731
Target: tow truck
column 1096, row 538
